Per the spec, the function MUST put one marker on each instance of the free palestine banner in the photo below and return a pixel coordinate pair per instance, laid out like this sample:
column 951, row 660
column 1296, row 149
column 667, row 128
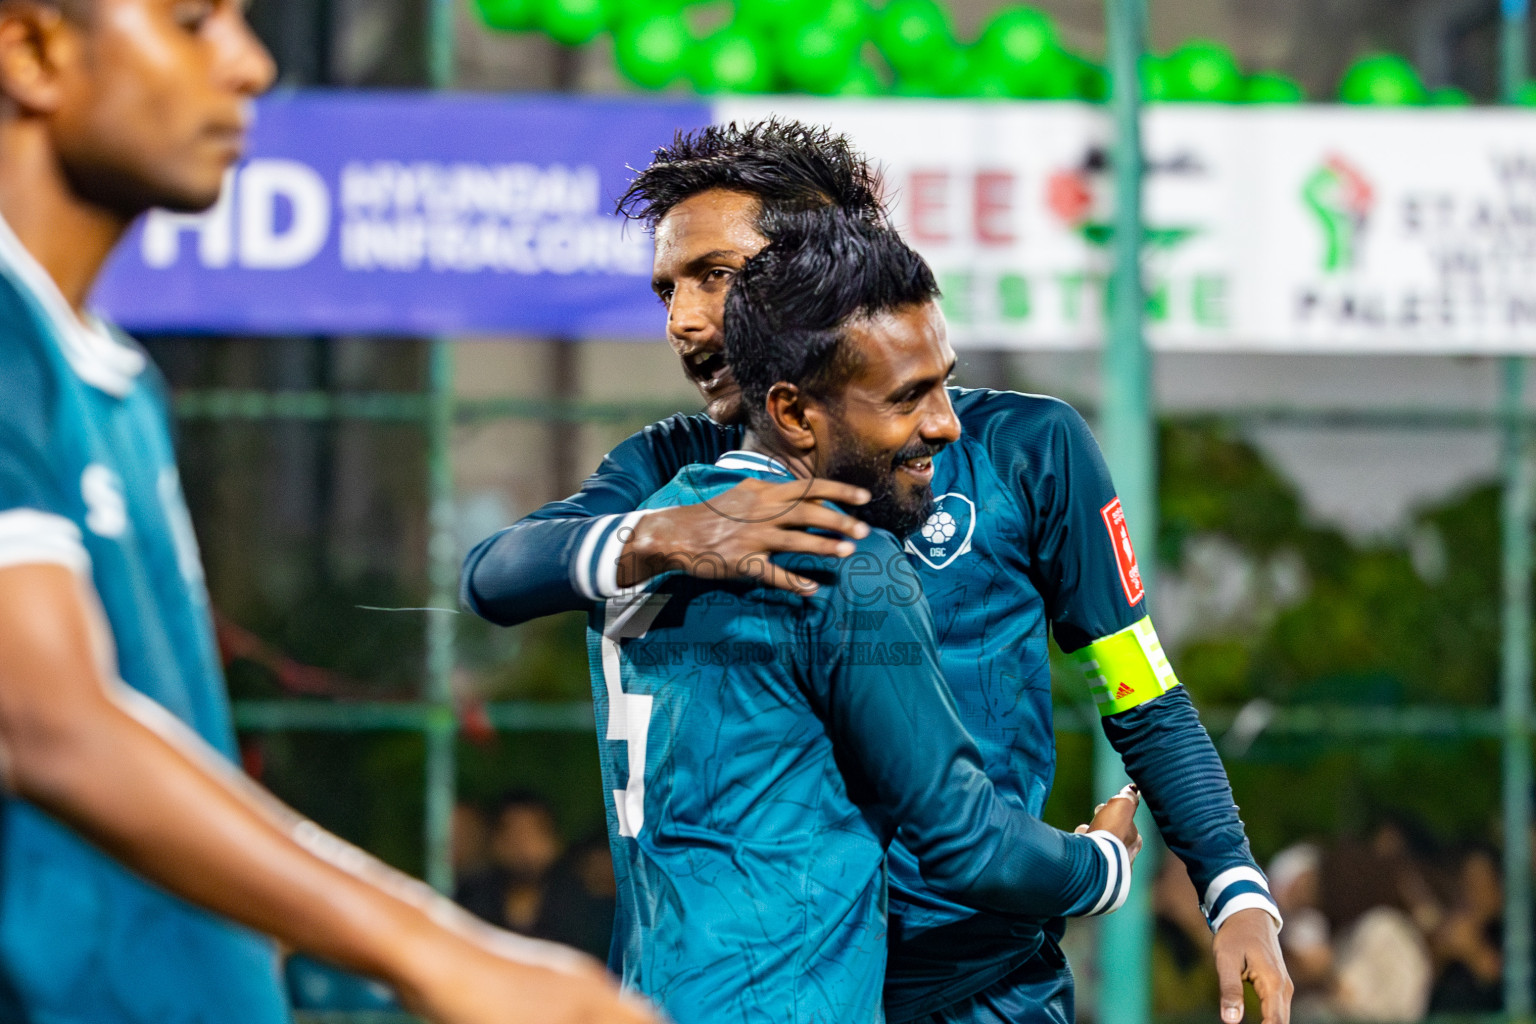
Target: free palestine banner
column 1306, row 228
column 1303, row 228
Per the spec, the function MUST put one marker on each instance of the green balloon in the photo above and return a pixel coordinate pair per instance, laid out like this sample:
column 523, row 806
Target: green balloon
column 1071, row 77
column 1526, row 95
column 930, row 86
column 985, row 76
column 773, row 16
column 1092, row 80
column 574, row 22
column 853, row 16
column 1156, row 78
column 945, row 73
column 1204, row 72
column 1268, row 87
column 1018, row 35
column 733, row 60
column 652, row 51
column 1382, row 79
column 913, row 35
column 817, row 56
column 623, row 12
column 509, row 15
column 863, row 80
column 1054, row 75
column 1450, row 96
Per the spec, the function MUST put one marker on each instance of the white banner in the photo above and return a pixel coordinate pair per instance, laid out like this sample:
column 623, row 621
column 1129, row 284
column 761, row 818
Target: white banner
column 1319, row 229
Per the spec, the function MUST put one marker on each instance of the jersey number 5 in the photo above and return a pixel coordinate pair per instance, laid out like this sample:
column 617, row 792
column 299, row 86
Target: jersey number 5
column 629, row 714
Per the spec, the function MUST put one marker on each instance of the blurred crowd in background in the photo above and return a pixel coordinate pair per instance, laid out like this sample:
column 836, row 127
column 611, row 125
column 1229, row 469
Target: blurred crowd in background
column 515, row 870
column 1393, row 928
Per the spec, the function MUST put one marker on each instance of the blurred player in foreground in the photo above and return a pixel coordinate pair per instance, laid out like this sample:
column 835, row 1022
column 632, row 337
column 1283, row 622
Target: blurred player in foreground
column 1027, row 541
column 772, row 744
column 114, row 726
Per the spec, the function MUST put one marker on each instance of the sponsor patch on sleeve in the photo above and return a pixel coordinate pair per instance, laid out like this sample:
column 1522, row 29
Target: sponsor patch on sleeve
column 1125, row 555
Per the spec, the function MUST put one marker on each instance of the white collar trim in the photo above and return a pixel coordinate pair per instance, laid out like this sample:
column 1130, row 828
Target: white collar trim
column 97, row 358
column 752, row 461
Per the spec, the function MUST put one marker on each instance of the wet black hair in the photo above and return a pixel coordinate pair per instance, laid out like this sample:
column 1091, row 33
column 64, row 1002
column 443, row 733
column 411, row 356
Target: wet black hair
column 787, row 310
column 787, row 165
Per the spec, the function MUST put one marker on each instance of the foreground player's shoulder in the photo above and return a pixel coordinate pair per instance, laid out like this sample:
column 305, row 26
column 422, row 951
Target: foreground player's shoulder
column 1031, row 440
column 35, row 506
column 147, row 372
column 876, row 576
column 643, row 462
column 693, row 483
column 686, row 438
column 1007, row 420
column 30, row 376
column 879, row 547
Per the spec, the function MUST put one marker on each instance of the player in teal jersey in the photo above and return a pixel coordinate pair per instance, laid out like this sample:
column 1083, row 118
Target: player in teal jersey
column 129, row 844
column 1028, row 542
column 761, row 747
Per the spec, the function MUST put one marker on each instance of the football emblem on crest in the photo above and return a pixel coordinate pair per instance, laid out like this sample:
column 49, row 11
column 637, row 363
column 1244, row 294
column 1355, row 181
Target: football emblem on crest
column 946, row 535
column 940, row 528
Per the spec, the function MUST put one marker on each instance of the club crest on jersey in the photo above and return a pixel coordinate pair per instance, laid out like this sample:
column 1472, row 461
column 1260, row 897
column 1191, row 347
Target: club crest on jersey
column 946, row 535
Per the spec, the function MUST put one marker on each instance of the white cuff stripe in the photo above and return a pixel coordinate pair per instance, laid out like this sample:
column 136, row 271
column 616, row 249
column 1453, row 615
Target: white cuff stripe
column 1125, row 877
column 607, row 568
column 1231, row 876
column 1111, row 868
column 584, row 569
column 1117, row 862
column 31, row 537
column 1247, row 901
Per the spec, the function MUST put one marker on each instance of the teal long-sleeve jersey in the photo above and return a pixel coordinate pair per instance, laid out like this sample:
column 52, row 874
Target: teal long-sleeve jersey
column 761, row 749
column 1027, row 543
column 88, row 481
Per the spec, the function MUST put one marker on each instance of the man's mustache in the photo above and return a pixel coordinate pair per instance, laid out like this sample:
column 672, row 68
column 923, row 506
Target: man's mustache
column 921, row 449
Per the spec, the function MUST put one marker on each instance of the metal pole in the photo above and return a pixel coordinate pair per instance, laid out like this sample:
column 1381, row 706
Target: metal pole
column 1125, row 943
column 443, row 568
column 1515, row 703
column 1513, row 34
column 440, row 49
column 441, row 729
column 1515, row 661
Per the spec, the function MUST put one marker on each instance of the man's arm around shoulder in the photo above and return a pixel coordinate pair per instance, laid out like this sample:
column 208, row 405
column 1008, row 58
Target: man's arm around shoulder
column 589, row 547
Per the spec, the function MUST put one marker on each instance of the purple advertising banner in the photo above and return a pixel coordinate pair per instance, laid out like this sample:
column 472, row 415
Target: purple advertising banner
column 410, row 214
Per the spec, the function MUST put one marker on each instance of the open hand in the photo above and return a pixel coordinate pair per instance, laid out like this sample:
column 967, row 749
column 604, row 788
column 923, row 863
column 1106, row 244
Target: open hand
column 732, row 535
column 1247, row 948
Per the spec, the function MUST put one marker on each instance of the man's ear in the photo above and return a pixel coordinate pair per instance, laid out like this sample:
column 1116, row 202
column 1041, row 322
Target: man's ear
column 34, row 40
column 787, row 410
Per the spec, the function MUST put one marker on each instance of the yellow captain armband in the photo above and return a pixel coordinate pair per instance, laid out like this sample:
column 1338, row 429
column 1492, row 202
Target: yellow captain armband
column 1126, row 669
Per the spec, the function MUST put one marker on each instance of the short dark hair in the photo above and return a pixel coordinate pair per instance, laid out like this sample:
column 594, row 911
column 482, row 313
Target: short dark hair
column 787, row 310
column 787, row 165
